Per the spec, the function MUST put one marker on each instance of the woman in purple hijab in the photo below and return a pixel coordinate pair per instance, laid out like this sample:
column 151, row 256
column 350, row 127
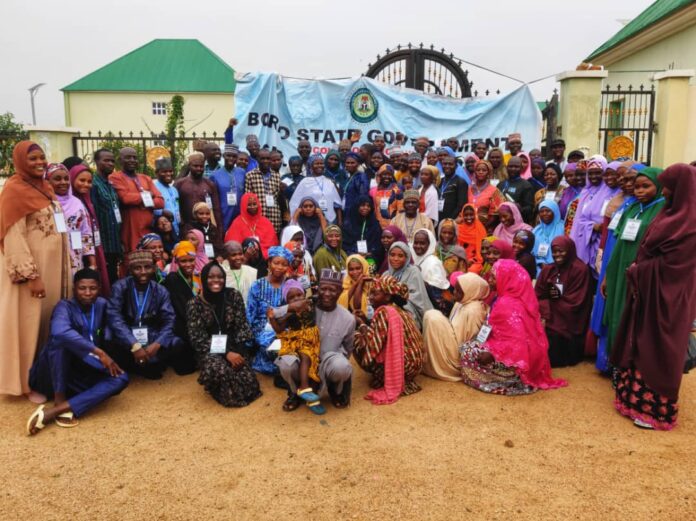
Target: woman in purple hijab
column 587, row 225
column 574, row 189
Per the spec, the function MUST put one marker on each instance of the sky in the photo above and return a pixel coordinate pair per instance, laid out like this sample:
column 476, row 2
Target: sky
column 58, row 42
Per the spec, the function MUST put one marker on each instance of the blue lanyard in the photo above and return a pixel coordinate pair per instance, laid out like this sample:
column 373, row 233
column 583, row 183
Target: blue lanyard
column 444, row 188
column 140, row 307
column 233, row 181
column 90, row 326
column 320, row 185
column 643, row 208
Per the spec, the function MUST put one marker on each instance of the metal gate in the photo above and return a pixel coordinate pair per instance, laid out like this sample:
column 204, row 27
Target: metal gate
column 629, row 113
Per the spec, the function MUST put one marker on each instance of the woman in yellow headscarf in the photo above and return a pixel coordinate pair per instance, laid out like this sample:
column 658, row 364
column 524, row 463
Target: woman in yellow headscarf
column 356, row 284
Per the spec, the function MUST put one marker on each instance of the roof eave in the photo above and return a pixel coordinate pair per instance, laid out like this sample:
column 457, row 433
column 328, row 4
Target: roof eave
column 66, row 89
column 676, row 22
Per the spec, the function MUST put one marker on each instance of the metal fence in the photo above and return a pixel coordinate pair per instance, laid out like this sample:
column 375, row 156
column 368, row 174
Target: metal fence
column 84, row 145
column 629, row 113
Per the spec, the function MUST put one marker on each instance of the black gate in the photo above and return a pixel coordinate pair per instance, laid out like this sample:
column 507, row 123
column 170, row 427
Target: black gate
column 629, row 113
column 84, row 145
column 423, row 69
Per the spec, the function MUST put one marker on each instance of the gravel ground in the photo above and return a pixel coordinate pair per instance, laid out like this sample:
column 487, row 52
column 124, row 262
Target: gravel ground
column 164, row 450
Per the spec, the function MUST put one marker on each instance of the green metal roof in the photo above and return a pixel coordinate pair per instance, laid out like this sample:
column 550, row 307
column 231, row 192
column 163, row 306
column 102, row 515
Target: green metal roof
column 657, row 11
column 541, row 105
column 162, row 66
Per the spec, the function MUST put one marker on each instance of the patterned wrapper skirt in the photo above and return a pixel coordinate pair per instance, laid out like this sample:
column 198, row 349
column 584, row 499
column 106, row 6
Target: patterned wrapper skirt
column 494, row 378
column 635, row 400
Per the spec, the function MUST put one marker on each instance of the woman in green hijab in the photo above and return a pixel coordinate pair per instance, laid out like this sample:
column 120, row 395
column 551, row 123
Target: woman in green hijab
column 330, row 254
column 630, row 231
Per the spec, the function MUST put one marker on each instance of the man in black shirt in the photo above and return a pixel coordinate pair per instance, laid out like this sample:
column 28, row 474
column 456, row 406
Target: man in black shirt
column 454, row 191
column 517, row 190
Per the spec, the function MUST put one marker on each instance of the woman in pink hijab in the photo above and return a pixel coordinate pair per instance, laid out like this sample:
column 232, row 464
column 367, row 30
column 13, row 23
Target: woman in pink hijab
column 510, row 354
column 510, row 222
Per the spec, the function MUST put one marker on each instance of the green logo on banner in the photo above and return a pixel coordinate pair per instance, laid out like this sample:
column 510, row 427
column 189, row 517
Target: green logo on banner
column 363, row 106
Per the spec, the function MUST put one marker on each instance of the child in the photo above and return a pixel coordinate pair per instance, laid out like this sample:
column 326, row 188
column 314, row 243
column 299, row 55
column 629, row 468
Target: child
column 299, row 336
column 299, row 270
column 202, row 222
column 356, row 286
column 239, row 275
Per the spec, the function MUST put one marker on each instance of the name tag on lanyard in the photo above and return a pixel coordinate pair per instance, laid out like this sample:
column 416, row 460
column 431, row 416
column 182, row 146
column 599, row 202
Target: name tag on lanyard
column 543, row 250
column 484, row 333
column 76, row 240
column 140, row 334
column 117, row 213
column 550, row 196
column 146, row 196
column 218, row 344
column 270, row 201
column 59, row 220
column 209, row 250
column 362, row 246
column 631, row 229
column 615, row 220
column 383, row 203
column 97, row 238
column 231, row 199
column 209, row 201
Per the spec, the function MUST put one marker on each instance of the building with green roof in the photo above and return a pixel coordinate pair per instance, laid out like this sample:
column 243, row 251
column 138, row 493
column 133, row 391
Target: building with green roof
column 131, row 93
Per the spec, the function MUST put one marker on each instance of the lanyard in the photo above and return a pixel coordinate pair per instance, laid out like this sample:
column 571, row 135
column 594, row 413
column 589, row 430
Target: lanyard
column 409, row 229
column 90, row 326
column 490, row 308
column 643, row 208
column 39, row 190
column 320, row 185
column 217, row 321
column 140, row 307
column 186, row 281
column 445, row 186
column 238, row 279
column 252, row 228
column 136, row 181
column 362, row 232
column 233, row 182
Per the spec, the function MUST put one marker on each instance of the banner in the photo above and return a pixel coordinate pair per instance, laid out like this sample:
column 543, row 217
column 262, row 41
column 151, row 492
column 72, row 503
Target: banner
column 282, row 111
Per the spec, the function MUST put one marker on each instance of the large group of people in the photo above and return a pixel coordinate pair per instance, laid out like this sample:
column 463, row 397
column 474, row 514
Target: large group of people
column 488, row 268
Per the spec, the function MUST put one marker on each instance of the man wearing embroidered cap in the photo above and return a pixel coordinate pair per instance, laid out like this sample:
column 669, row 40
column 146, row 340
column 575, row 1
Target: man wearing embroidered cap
column 411, row 219
column 229, row 180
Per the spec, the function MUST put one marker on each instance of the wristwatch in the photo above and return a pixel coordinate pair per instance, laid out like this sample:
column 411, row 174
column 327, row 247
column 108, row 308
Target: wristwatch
column 136, row 347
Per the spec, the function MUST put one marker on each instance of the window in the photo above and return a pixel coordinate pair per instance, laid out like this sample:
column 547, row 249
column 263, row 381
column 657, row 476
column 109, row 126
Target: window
column 159, row 108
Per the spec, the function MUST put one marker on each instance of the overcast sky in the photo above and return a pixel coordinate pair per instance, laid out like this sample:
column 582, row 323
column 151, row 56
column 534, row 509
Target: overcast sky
column 59, row 41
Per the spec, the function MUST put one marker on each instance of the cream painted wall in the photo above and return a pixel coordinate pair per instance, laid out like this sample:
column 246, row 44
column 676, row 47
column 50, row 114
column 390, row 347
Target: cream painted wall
column 690, row 147
column 132, row 111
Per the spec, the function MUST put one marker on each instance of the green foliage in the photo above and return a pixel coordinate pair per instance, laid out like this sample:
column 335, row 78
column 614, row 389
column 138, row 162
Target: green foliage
column 114, row 144
column 174, row 128
column 11, row 133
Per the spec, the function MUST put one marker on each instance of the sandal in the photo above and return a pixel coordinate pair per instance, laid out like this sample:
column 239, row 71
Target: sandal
column 35, row 422
column 292, row 403
column 339, row 402
column 308, row 395
column 642, row 424
column 67, row 420
column 316, row 407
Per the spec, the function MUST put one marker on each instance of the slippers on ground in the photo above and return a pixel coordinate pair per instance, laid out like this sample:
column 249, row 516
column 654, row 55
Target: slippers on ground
column 308, row 395
column 35, row 422
column 67, row 420
column 292, row 403
column 642, row 425
column 316, row 407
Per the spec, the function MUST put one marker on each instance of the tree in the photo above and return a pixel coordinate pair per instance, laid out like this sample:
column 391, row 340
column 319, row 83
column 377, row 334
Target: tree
column 11, row 133
column 175, row 127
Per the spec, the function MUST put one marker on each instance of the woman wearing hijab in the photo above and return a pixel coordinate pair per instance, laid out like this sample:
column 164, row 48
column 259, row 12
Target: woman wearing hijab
column 432, row 270
column 391, row 347
column 76, row 219
column 362, row 232
column 356, row 285
column 470, row 236
column 629, row 232
column 321, row 189
column 252, row 223
column 264, row 293
column 565, row 300
column 334, row 171
column 550, row 226
column 538, row 169
column 195, row 237
column 484, row 195
column 222, row 340
column 402, row 270
column 446, row 245
column 496, row 157
column 294, row 234
column 552, row 189
column 311, row 220
column 390, row 235
column 526, row 171
column 587, row 223
column 650, row 349
column 510, row 356
column 330, row 254
column 251, row 248
column 442, row 336
column 522, row 245
column 183, row 284
column 81, row 184
column 510, row 222
column 36, row 262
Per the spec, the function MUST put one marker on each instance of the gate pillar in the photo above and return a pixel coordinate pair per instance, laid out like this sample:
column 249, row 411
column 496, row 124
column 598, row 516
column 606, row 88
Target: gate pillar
column 579, row 108
column 672, row 117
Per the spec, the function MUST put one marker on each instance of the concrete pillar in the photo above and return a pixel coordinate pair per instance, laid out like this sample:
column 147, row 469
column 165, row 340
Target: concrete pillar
column 671, row 117
column 55, row 141
column 580, row 105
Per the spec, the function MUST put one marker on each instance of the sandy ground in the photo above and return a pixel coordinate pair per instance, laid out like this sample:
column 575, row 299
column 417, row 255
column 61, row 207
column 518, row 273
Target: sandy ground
column 165, row 450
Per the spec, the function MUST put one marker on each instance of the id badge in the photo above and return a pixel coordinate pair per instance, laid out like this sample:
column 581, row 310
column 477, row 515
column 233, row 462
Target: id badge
column 440, row 205
column 209, row 201
column 362, row 246
column 550, row 196
column 209, row 250
column 146, row 196
column 484, row 333
column 559, row 287
column 218, row 344
column 117, row 214
column 323, row 205
column 543, row 250
column 270, row 201
column 140, row 334
column 383, row 204
column 76, row 240
column 231, row 199
column 495, row 182
column 97, row 239
column 512, row 189
column 604, row 207
column 60, row 222
column 615, row 220
column 630, row 232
